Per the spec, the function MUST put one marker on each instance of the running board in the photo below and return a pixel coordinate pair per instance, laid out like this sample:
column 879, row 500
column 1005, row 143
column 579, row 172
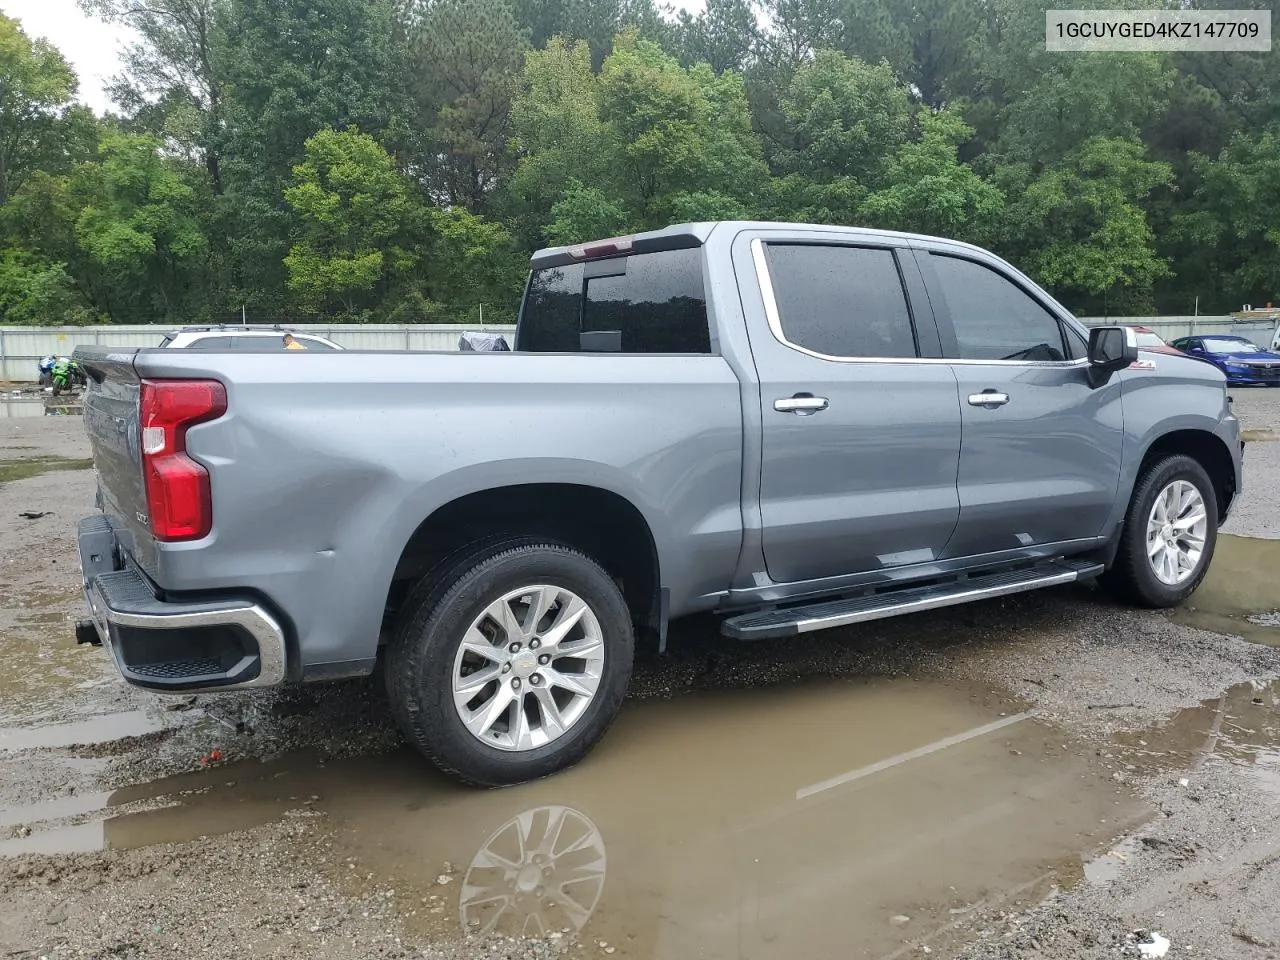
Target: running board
column 826, row 614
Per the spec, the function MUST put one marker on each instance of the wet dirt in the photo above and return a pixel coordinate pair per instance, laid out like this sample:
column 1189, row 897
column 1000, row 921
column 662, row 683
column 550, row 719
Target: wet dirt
column 881, row 800
column 25, row 469
column 1240, row 595
column 890, row 811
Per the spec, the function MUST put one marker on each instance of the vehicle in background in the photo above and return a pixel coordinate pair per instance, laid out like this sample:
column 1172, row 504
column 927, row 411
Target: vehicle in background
column 61, row 374
column 1152, row 342
column 794, row 426
column 1242, row 360
column 233, row 337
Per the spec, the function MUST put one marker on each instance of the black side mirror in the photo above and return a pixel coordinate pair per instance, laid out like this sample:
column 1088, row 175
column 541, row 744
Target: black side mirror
column 1110, row 349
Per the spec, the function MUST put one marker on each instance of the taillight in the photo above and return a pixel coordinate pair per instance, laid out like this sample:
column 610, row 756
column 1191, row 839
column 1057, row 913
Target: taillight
column 178, row 497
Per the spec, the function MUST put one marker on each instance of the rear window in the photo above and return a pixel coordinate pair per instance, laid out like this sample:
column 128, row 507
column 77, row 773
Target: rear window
column 274, row 342
column 644, row 303
column 210, row 343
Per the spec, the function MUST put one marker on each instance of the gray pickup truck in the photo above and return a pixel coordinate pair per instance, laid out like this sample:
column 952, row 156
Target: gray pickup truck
column 795, row 427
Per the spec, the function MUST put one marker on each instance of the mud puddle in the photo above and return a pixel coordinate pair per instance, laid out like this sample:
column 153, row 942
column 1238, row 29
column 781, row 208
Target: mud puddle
column 103, row 728
column 18, row 408
column 44, row 668
column 1240, row 596
column 1241, row 727
column 801, row 821
column 29, row 467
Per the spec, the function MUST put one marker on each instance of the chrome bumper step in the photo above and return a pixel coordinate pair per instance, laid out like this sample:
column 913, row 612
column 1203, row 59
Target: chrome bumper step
column 826, row 614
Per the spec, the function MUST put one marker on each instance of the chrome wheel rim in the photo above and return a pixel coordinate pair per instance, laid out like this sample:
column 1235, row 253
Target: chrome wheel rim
column 1176, row 531
column 528, row 668
column 539, row 873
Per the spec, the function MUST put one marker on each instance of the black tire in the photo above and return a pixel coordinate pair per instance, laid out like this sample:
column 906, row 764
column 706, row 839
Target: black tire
column 57, row 388
column 1131, row 577
column 429, row 630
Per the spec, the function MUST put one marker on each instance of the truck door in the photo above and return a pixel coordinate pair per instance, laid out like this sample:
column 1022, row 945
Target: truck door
column 860, row 419
column 1040, row 462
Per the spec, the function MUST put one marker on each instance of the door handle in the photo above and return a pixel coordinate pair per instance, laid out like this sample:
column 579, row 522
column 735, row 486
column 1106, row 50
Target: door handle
column 988, row 398
column 802, row 404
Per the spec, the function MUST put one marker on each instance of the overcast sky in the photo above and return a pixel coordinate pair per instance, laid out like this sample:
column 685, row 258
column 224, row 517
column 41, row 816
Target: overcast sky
column 93, row 47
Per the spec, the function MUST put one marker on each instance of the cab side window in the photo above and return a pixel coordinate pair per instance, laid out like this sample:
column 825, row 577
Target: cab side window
column 993, row 318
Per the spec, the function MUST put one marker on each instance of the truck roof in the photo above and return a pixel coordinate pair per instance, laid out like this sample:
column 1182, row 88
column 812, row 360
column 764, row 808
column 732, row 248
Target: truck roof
column 683, row 235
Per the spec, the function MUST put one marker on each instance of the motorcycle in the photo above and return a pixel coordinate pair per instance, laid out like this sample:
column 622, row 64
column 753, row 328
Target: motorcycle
column 46, row 371
column 65, row 375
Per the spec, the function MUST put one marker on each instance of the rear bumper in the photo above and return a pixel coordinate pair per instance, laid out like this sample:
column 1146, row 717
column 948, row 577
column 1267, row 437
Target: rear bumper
column 175, row 646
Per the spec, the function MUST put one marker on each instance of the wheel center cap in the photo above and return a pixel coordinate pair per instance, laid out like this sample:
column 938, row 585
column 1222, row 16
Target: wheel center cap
column 528, row 878
column 524, row 663
column 1167, row 532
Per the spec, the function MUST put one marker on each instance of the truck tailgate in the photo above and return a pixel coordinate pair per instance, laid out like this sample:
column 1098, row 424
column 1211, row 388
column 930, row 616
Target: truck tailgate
column 111, row 420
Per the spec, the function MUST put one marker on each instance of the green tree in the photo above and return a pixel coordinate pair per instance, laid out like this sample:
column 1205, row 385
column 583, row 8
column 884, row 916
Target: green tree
column 723, row 35
column 679, row 130
column 558, row 135
column 39, row 125
column 596, row 22
column 1081, row 227
column 930, row 191
column 294, row 67
column 38, row 292
column 586, row 213
column 470, row 262
column 174, row 78
column 465, row 61
column 355, row 219
column 644, row 142
column 1035, row 106
column 844, row 118
column 1232, row 216
column 137, row 224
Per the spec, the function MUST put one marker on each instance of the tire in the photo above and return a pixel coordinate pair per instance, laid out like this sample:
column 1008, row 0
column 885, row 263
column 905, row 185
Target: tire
column 425, row 660
column 1133, row 576
column 57, row 388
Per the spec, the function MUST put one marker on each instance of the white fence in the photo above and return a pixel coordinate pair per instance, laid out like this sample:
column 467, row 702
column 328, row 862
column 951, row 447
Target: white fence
column 22, row 347
column 1261, row 332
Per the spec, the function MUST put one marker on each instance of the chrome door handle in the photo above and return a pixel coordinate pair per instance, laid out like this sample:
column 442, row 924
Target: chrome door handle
column 988, row 398
column 802, row 404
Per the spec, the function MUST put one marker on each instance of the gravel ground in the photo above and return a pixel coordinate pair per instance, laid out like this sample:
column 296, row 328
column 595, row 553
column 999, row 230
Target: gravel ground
column 1257, row 512
column 1202, row 870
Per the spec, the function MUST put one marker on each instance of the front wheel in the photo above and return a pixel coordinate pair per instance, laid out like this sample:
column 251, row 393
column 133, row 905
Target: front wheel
column 512, row 663
column 1168, row 536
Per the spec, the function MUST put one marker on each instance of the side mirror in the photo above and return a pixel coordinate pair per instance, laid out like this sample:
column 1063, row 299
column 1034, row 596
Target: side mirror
column 1110, row 349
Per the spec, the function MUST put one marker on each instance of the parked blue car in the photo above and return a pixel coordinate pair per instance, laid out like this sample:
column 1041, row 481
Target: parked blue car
column 1243, row 361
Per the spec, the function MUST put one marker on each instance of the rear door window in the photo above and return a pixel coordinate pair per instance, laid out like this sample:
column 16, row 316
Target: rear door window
column 644, row 303
column 840, row 301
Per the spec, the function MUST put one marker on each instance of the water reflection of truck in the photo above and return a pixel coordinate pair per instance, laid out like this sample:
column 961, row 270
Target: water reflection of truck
column 675, row 843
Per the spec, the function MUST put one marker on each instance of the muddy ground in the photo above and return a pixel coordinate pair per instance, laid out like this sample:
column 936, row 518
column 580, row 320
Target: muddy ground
column 1038, row 776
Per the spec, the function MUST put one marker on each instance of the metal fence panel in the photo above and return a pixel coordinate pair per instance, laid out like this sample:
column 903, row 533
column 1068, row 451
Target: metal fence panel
column 22, row 347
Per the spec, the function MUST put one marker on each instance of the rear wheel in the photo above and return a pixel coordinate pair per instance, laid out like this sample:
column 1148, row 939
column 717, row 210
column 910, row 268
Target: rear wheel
column 1169, row 534
column 510, row 664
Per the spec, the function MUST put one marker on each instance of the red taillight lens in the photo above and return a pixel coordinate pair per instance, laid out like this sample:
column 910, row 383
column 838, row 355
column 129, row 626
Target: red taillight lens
column 178, row 497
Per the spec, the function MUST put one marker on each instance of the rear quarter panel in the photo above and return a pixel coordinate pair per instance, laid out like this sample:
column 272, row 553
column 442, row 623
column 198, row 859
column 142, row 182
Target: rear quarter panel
column 326, row 464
